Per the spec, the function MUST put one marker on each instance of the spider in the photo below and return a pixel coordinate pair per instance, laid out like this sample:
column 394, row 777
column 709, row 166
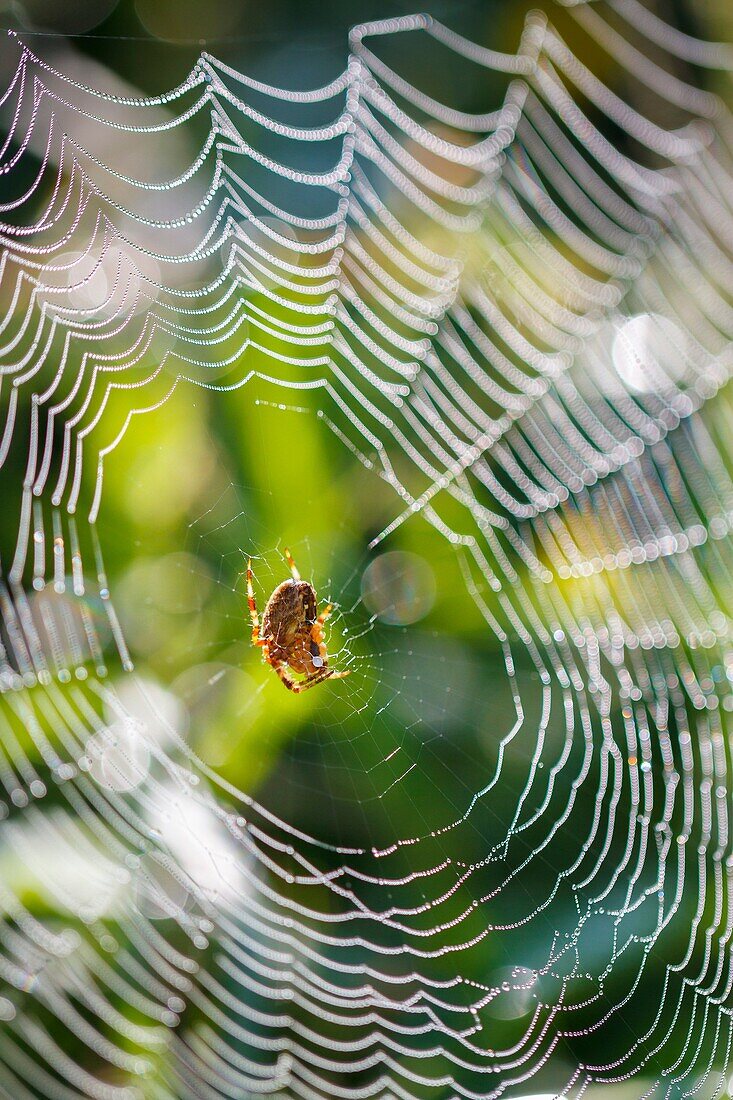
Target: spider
column 292, row 632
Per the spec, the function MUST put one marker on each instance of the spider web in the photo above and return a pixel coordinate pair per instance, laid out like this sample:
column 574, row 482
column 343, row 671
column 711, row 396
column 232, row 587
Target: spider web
column 515, row 325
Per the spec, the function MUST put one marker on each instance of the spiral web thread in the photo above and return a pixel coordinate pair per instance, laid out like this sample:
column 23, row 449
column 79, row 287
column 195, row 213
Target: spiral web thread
column 534, row 328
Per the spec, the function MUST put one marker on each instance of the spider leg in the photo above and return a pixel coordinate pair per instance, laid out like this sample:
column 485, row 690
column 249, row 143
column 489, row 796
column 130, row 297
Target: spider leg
column 317, row 678
column 291, row 563
column 316, row 633
column 282, row 670
column 253, row 607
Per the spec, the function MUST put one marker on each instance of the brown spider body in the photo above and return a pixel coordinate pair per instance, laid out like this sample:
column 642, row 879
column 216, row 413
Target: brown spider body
column 287, row 624
column 291, row 634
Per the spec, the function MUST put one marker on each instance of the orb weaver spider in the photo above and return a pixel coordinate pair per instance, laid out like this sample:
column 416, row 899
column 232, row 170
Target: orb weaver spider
column 292, row 631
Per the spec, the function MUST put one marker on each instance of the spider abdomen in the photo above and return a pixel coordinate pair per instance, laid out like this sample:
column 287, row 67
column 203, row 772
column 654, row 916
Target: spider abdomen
column 290, row 607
